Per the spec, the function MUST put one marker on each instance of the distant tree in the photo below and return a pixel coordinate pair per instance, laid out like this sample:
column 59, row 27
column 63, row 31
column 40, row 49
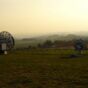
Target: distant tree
column 48, row 44
column 29, row 47
column 56, row 43
column 39, row 45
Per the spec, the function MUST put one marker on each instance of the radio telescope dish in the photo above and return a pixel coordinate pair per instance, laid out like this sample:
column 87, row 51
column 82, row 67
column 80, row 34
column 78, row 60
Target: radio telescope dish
column 6, row 41
column 79, row 45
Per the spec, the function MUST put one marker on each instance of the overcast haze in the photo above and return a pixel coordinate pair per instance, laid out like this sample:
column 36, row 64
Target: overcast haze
column 38, row 17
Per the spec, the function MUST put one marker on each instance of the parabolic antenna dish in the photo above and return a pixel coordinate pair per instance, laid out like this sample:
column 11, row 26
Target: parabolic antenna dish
column 6, row 38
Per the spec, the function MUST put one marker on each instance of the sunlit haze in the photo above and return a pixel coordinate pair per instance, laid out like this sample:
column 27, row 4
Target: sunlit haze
column 39, row 17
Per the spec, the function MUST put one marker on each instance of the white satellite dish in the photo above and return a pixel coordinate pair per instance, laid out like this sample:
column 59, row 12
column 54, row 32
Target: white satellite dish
column 6, row 42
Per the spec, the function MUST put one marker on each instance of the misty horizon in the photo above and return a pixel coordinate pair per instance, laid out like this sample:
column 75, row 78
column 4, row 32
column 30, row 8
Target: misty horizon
column 85, row 33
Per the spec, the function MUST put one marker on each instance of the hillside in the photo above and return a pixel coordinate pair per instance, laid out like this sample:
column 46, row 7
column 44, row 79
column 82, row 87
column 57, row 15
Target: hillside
column 25, row 42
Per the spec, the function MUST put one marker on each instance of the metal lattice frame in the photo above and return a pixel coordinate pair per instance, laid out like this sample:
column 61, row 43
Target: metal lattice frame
column 6, row 37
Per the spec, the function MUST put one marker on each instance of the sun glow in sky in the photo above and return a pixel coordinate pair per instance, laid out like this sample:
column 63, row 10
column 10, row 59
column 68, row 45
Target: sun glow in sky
column 38, row 17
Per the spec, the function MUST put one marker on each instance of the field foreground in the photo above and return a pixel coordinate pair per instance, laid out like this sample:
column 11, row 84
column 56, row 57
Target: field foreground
column 43, row 69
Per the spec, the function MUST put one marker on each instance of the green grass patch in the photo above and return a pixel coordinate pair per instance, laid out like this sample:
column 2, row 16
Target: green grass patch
column 43, row 68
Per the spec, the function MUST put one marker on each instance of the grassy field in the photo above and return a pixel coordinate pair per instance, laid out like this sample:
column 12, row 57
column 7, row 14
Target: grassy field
column 43, row 69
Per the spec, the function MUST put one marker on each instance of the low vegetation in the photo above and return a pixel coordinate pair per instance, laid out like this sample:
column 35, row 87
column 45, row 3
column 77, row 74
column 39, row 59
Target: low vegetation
column 43, row 68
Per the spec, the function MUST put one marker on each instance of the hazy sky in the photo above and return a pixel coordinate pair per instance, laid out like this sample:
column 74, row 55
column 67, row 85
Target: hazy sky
column 38, row 17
